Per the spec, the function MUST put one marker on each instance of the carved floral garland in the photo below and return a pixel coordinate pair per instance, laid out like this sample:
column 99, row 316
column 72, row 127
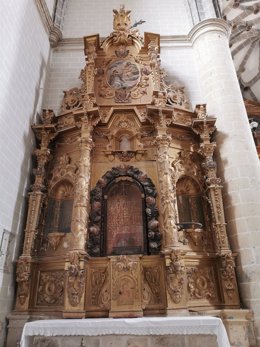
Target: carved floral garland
column 96, row 196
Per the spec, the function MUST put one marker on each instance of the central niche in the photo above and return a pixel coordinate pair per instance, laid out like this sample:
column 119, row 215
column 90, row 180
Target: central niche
column 124, row 218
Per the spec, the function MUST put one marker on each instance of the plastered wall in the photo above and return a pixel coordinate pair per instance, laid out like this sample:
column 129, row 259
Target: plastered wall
column 24, row 59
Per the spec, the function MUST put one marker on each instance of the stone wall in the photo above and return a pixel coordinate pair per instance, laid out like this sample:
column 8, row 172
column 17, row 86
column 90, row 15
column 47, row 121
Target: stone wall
column 93, row 17
column 25, row 53
column 239, row 165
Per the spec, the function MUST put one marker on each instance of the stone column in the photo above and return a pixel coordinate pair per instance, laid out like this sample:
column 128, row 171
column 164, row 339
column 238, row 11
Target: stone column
column 45, row 132
column 237, row 157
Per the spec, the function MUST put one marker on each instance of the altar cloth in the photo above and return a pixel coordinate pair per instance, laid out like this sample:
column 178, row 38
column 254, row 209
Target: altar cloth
column 127, row 326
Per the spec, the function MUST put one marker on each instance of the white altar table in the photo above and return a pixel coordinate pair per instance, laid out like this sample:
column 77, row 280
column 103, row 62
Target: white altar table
column 146, row 326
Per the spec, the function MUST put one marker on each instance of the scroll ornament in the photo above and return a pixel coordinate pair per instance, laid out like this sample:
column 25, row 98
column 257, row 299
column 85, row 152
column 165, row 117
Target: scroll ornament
column 76, row 279
column 175, row 272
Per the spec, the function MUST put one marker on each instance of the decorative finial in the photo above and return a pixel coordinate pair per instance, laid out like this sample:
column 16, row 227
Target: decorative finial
column 201, row 111
column 122, row 20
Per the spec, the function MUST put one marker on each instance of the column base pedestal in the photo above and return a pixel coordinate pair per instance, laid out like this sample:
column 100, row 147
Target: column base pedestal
column 239, row 325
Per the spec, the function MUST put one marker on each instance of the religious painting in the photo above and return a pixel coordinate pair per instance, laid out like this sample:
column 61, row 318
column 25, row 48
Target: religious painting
column 189, row 201
column 122, row 74
column 124, row 219
column 59, row 209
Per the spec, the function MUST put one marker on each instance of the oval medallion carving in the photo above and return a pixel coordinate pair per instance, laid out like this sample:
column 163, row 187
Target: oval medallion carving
column 122, row 74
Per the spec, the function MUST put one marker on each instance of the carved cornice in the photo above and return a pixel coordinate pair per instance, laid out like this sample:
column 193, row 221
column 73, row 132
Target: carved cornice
column 207, row 26
column 55, row 34
column 165, row 41
column 77, row 43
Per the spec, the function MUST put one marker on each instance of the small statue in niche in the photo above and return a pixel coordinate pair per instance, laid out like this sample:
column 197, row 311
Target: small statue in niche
column 124, row 143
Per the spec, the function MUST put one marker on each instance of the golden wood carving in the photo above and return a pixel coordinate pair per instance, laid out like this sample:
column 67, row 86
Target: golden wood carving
column 167, row 192
column 176, row 276
column 51, row 288
column 80, row 207
column 125, row 125
column 54, row 239
column 153, row 278
column 228, row 276
column 153, row 287
column 65, row 170
column 124, row 172
column 45, row 133
column 75, row 279
column 201, row 284
column 98, row 278
column 23, row 274
column 205, row 126
column 66, row 122
column 73, row 99
column 125, row 287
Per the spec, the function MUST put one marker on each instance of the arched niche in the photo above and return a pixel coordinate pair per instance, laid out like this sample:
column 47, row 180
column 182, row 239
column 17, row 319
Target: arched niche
column 59, row 208
column 110, row 235
column 124, row 220
column 190, row 203
column 124, row 141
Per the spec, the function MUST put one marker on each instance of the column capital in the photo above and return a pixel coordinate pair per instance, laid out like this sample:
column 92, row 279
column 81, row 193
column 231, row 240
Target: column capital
column 162, row 140
column 212, row 25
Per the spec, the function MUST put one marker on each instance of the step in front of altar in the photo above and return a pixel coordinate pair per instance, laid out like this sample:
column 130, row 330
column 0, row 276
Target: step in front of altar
column 134, row 332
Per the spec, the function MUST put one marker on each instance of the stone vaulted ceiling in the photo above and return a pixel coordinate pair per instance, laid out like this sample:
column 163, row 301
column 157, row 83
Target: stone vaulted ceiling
column 244, row 18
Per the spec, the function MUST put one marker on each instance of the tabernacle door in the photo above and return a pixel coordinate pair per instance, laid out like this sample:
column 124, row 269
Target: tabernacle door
column 124, row 219
column 126, row 299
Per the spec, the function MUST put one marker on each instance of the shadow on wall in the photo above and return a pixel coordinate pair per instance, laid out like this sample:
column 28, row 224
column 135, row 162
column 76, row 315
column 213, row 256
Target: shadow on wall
column 228, row 202
column 28, row 101
column 234, row 230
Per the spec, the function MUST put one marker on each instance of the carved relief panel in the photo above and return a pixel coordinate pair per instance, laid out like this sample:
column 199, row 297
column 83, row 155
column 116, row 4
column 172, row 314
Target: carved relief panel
column 126, row 298
column 153, row 285
column 48, row 281
column 50, row 288
column 120, row 137
column 202, row 285
column 98, row 292
column 123, row 81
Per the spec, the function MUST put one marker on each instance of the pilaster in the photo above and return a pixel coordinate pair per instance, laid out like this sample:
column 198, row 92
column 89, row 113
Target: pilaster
column 204, row 126
column 45, row 132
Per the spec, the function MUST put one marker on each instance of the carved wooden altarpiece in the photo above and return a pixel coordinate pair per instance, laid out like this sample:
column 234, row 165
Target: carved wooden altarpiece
column 125, row 215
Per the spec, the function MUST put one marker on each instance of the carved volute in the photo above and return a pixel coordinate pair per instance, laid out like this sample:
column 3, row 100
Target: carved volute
column 125, row 215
